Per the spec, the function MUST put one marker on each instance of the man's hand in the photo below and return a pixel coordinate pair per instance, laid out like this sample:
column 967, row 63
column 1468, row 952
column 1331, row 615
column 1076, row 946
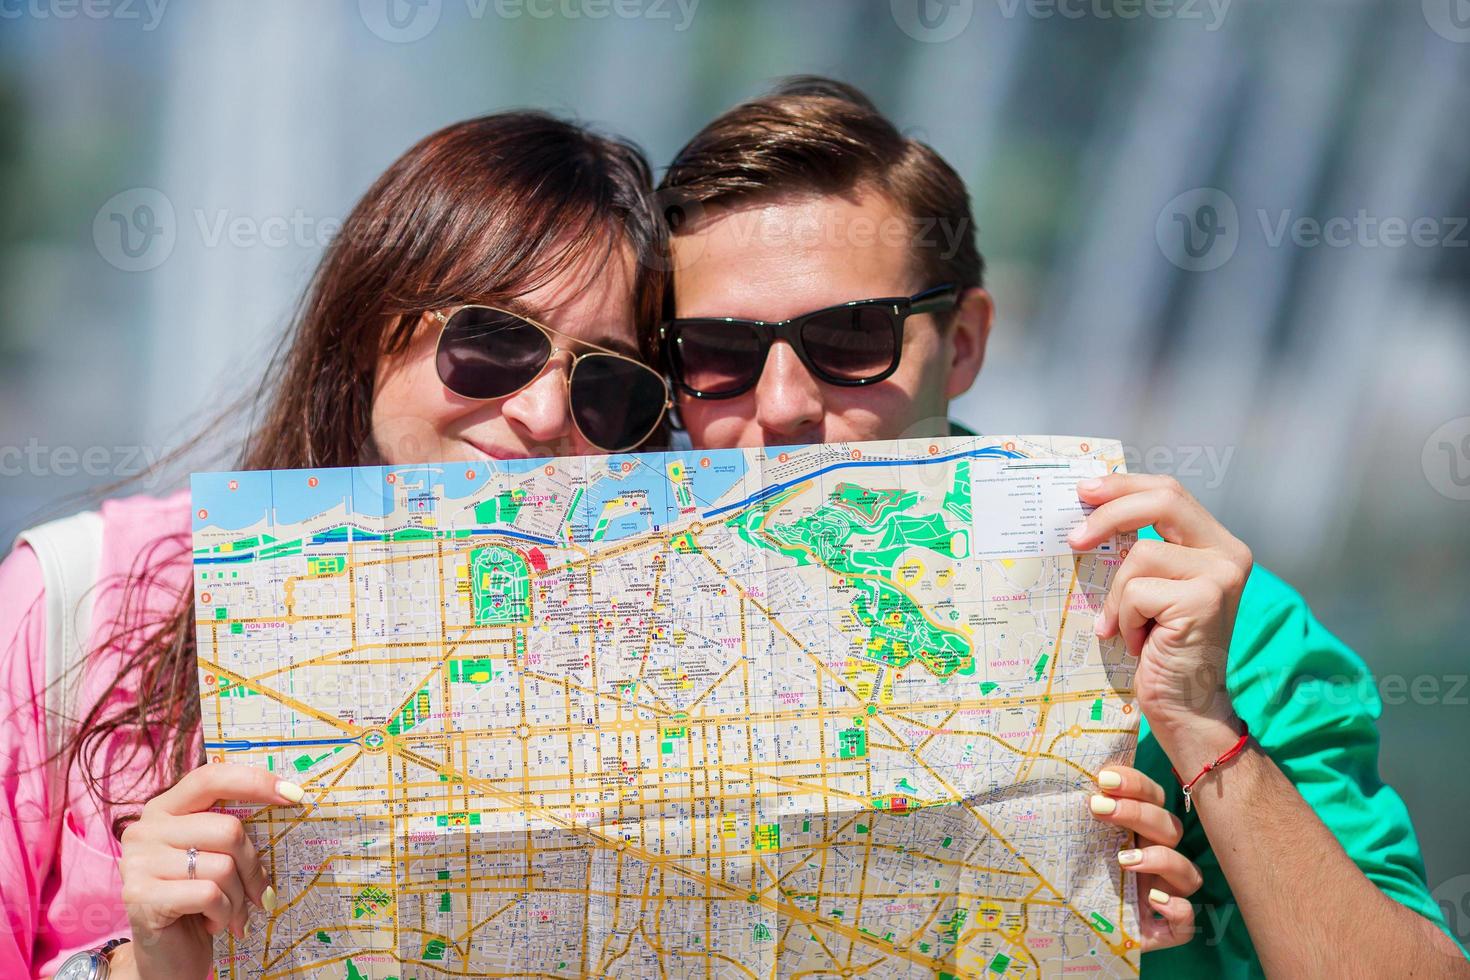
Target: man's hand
column 1174, row 603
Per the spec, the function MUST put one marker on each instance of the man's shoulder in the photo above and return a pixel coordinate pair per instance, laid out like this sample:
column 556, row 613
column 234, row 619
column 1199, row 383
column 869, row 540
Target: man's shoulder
column 1275, row 628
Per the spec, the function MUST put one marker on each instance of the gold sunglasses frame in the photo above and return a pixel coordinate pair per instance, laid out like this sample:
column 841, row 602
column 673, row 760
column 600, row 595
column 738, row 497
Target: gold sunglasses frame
column 551, row 334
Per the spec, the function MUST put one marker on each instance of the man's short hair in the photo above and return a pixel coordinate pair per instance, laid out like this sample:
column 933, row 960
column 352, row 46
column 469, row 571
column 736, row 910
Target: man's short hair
column 814, row 135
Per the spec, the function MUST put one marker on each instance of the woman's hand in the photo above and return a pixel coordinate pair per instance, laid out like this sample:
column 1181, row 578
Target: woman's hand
column 1174, row 603
column 1166, row 878
column 173, row 916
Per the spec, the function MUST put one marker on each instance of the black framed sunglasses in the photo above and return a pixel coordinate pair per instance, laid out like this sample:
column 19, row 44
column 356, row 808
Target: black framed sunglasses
column 486, row 353
column 857, row 343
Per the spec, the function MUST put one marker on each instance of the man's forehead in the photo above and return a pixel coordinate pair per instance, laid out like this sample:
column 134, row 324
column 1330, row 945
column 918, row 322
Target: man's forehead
column 860, row 218
column 779, row 258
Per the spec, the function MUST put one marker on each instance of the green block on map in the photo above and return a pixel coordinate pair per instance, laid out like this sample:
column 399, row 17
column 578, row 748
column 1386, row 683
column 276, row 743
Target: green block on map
column 471, row 670
column 999, row 964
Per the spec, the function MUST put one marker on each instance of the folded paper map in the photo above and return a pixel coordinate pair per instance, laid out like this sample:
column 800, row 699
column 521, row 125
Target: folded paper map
column 820, row 711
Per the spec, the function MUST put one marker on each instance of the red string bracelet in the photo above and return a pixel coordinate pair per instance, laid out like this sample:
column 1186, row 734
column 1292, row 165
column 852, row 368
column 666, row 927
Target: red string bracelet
column 1230, row 753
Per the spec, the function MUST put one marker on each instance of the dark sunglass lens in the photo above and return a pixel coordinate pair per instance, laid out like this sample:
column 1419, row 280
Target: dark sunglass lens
column 487, row 353
column 616, row 402
column 716, row 358
column 852, row 344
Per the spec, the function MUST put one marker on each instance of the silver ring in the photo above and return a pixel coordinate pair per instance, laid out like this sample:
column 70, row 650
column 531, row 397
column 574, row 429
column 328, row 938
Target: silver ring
column 193, row 853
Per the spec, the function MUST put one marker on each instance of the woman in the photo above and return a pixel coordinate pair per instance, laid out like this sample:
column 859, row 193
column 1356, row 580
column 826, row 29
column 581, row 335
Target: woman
column 516, row 213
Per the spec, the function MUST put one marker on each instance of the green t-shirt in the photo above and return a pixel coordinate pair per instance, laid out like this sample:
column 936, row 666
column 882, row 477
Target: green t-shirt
column 1311, row 704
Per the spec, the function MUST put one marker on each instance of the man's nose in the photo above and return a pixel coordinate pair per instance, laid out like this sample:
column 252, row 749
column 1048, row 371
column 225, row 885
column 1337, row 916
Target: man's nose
column 541, row 409
column 788, row 399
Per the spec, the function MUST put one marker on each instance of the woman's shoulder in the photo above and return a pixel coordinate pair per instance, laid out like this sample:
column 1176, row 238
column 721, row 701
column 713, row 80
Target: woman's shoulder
column 137, row 518
column 142, row 536
column 143, row 518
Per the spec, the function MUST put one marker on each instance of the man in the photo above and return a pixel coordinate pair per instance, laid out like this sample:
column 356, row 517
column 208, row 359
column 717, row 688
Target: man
column 1307, row 864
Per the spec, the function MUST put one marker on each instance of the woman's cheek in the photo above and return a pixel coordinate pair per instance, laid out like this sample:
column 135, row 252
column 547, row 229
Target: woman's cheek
column 412, row 410
column 404, row 439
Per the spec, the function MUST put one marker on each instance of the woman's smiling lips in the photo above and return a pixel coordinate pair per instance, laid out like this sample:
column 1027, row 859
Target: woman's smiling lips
column 497, row 453
column 519, row 453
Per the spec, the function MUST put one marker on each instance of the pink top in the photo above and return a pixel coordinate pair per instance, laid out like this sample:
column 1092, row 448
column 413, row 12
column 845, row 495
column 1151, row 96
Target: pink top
column 61, row 886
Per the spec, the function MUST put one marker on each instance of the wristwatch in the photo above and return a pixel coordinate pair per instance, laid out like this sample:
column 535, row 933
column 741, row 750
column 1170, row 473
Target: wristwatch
column 89, row 964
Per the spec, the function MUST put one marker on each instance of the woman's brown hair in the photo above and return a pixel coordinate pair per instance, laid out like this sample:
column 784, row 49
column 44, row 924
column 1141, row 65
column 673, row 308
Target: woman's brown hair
column 487, row 209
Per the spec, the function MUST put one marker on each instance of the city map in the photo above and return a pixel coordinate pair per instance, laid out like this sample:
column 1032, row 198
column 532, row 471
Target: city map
column 818, row 711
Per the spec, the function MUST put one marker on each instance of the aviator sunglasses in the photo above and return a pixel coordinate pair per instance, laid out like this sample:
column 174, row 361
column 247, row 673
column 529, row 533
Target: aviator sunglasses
column 857, row 343
column 486, row 353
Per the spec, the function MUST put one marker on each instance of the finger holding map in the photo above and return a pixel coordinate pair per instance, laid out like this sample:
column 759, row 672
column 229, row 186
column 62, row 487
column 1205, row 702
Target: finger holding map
column 1165, row 877
column 1173, row 602
column 189, row 873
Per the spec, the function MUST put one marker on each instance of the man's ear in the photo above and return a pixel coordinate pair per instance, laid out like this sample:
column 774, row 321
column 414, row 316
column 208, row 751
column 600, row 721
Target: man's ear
column 968, row 334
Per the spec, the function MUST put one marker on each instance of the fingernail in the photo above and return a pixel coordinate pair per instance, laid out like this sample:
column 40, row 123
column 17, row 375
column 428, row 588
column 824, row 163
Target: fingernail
column 1076, row 534
column 1100, row 625
column 291, row 791
column 1130, row 857
column 1157, row 897
column 1089, row 485
column 1108, row 779
column 1102, row 805
column 268, row 899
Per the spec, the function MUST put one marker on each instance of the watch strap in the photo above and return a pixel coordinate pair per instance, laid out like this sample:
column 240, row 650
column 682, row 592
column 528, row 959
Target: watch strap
column 112, row 944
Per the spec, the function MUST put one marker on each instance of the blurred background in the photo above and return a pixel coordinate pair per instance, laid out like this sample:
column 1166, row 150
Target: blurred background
column 1231, row 234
